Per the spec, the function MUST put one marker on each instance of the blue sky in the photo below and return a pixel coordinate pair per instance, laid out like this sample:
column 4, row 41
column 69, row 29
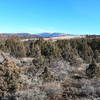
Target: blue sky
column 35, row 16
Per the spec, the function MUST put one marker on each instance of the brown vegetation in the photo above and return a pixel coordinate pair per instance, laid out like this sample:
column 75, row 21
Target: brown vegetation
column 51, row 70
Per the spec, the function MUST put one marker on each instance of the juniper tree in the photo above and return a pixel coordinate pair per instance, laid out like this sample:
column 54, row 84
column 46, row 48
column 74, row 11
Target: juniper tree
column 91, row 70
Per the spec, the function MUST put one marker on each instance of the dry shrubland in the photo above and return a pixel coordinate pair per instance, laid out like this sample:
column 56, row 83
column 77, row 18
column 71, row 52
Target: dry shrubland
column 50, row 70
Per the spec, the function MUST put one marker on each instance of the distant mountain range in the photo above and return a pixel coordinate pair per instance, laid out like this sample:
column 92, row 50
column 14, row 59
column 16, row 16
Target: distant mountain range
column 30, row 35
column 45, row 34
column 51, row 34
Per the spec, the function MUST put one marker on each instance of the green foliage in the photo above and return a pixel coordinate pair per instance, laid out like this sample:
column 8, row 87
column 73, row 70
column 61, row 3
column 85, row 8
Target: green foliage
column 91, row 71
column 35, row 50
column 66, row 50
column 97, row 56
column 38, row 61
column 15, row 47
column 46, row 75
column 49, row 49
column 2, row 45
column 86, row 48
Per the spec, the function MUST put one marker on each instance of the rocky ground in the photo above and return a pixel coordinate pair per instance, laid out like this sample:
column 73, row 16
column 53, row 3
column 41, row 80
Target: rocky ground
column 58, row 81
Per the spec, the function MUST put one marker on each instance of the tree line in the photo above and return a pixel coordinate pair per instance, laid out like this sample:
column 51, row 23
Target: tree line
column 86, row 48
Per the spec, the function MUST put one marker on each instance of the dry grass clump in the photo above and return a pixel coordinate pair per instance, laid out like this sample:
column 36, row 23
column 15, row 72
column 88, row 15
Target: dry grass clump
column 9, row 78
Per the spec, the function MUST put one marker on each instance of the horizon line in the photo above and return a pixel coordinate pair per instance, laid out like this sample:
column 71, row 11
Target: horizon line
column 50, row 33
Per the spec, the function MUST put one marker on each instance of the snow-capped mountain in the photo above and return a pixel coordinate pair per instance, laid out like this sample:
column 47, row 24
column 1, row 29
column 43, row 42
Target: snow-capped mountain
column 51, row 34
